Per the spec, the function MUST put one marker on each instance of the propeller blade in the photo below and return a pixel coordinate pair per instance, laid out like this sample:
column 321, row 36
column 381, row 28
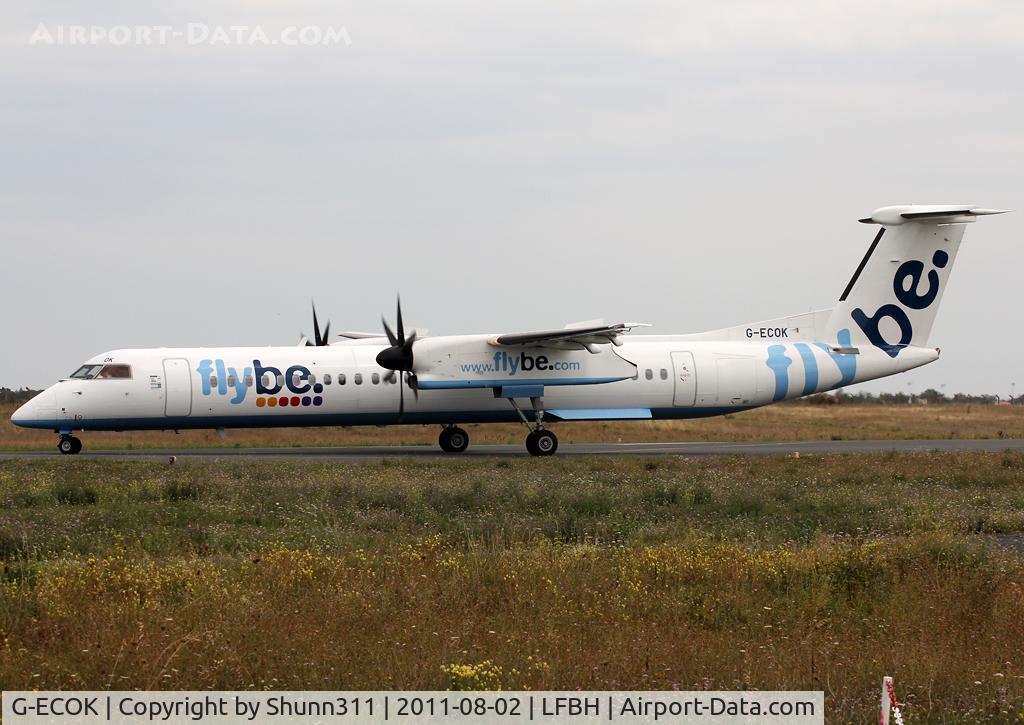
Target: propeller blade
column 319, row 338
column 401, row 327
column 401, row 402
column 414, row 384
column 316, row 326
column 387, row 329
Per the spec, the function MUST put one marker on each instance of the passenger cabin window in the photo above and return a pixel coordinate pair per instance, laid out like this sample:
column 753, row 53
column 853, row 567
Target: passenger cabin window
column 341, row 378
column 232, row 382
column 213, row 381
column 358, row 378
column 664, row 374
column 375, row 378
column 280, row 381
column 267, row 380
column 649, row 374
column 327, row 378
column 248, row 381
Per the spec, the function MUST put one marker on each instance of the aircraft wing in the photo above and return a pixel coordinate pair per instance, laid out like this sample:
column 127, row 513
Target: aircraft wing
column 582, row 334
column 354, row 335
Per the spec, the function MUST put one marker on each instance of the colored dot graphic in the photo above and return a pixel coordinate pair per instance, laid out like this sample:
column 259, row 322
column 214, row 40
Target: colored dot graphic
column 286, row 401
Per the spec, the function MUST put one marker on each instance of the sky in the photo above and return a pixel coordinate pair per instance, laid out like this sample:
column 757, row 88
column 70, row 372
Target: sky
column 504, row 166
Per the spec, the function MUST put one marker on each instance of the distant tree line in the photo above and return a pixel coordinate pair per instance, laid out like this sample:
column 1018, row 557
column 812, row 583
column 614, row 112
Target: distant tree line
column 931, row 396
column 17, row 396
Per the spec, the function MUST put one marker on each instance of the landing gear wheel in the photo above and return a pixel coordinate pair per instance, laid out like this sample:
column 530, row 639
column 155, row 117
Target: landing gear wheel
column 453, row 440
column 69, row 445
column 541, row 443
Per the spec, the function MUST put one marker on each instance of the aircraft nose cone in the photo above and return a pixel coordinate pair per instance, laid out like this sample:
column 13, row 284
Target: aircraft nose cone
column 42, row 408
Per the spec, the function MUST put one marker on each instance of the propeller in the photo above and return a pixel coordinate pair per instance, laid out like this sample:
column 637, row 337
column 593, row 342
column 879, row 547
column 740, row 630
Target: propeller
column 319, row 340
column 399, row 358
column 399, row 355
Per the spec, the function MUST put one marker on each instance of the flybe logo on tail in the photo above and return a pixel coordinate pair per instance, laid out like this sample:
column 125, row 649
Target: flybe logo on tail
column 906, row 286
column 273, row 388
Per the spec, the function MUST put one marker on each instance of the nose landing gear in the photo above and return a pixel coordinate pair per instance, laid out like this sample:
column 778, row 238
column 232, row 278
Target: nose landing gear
column 453, row 439
column 69, row 445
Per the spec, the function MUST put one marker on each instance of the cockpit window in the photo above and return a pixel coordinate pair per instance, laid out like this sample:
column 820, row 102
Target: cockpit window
column 102, row 372
column 115, row 371
column 87, row 372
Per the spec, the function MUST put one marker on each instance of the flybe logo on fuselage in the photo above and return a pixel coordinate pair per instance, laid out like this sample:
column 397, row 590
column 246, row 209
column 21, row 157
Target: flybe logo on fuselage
column 273, row 388
column 907, row 294
column 512, row 363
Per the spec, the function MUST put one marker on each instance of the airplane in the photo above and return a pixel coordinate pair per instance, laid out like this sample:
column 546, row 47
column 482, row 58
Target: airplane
column 584, row 371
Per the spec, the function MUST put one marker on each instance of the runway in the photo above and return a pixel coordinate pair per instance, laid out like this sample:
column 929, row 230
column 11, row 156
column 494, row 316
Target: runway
column 362, row 454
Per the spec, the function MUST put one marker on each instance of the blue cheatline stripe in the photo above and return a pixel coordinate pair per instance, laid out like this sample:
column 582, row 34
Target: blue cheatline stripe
column 602, row 413
column 810, row 367
column 847, row 363
column 779, row 363
column 355, row 419
column 509, row 382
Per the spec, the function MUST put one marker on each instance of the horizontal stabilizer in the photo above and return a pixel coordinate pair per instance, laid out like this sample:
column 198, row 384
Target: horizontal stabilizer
column 937, row 213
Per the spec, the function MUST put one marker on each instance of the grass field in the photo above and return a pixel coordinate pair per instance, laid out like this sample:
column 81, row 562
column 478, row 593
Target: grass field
column 794, row 421
column 811, row 573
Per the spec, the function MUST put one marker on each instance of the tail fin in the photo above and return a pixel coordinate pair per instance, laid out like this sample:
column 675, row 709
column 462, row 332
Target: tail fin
column 893, row 296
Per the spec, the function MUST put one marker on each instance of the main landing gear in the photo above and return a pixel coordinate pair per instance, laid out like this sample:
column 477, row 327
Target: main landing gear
column 453, row 439
column 540, row 441
column 69, row 445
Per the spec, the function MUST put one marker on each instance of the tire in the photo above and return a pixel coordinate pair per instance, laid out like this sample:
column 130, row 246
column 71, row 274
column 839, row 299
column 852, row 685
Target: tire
column 542, row 443
column 69, row 445
column 453, row 440
column 458, row 440
column 78, row 445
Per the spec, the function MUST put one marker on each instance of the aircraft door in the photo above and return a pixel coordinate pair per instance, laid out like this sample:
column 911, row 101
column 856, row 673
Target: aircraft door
column 177, row 387
column 685, row 377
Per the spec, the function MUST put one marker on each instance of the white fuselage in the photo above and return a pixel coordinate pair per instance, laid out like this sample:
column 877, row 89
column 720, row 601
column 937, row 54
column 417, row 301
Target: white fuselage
column 467, row 380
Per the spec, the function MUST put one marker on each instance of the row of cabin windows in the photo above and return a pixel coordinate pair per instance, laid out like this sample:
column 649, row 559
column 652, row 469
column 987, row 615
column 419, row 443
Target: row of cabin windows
column 90, row 372
column 328, row 379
